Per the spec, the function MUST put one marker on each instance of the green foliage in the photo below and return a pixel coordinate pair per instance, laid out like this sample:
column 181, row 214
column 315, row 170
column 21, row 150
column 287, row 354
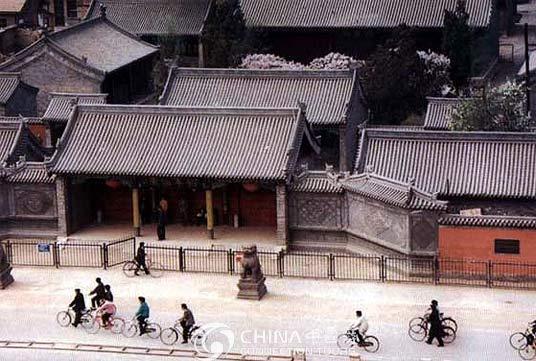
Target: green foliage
column 224, row 34
column 457, row 45
column 501, row 109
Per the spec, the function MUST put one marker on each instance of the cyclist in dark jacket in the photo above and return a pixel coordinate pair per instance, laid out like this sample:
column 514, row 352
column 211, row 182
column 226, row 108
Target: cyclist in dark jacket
column 99, row 293
column 436, row 327
column 187, row 322
column 140, row 259
column 108, row 296
column 78, row 305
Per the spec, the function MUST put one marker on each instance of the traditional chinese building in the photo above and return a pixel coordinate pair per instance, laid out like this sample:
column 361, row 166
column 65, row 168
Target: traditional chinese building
column 235, row 163
column 16, row 97
column 26, row 13
column 333, row 99
column 438, row 113
column 94, row 56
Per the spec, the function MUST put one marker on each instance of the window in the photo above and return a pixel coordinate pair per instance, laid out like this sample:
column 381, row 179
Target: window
column 507, row 246
column 3, row 22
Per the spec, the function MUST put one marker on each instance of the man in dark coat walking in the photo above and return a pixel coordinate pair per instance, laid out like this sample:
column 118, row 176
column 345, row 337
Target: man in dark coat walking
column 187, row 322
column 436, row 327
column 78, row 305
column 140, row 259
column 99, row 293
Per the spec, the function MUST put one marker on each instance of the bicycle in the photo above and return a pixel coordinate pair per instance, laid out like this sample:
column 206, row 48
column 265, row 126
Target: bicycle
column 155, row 268
column 65, row 318
column 115, row 325
column 170, row 335
column 446, row 321
column 521, row 340
column 152, row 329
column 418, row 330
column 528, row 353
column 349, row 340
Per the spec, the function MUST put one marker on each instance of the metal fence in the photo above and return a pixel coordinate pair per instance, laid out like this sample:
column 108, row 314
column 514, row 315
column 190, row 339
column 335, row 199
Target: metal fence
column 330, row 266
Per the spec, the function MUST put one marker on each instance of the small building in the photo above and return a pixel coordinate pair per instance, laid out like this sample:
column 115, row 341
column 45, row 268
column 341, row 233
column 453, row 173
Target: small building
column 95, row 56
column 308, row 29
column 27, row 192
column 161, row 22
column 60, row 109
column 16, row 97
column 233, row 163
column 25, row 13
column 485, row 176
column 438, row 112
column 333, row 99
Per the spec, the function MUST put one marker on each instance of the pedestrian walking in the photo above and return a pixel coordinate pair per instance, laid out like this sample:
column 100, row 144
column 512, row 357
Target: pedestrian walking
column 436, row 327
column 140, row 259
column 187, row 321
column 142, row 314
column 78, row 305
column 99, row 293
column 108, row 295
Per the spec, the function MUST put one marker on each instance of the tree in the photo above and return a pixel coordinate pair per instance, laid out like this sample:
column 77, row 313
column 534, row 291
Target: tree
column 457, row 45
column 501, row 109
column 224, row 34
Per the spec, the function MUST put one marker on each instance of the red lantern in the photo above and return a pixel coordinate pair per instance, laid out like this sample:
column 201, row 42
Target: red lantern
column 113, row 183
column 251, row 187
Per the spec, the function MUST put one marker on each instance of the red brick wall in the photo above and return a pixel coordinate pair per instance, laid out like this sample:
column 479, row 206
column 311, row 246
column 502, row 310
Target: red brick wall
column 479, row 243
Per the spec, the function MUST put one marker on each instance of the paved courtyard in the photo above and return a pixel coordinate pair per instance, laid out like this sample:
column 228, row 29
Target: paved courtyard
column 295, row 314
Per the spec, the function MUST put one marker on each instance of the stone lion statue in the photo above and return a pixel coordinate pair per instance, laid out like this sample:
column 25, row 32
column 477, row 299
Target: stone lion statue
column 249, row 261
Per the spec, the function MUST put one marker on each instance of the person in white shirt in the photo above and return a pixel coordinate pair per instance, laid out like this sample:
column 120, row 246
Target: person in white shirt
column 360, row 326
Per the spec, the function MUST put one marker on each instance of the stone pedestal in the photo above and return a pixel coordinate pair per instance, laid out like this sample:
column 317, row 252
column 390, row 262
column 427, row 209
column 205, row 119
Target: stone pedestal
column 250, row 289
column 6, row 278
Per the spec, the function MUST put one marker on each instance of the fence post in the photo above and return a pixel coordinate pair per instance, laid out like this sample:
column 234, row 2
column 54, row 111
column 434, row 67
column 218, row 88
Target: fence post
column 9, row 252
column 382, row 268
column 56, row 254
column 133, row 248
column 230, row 261
column 489, row 274
column 331, row 268
column 181, row 259
column 280, row 264
column 104, row 255
column 436, row 270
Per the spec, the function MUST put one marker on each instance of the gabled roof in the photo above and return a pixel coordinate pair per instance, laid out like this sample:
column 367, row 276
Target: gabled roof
column 62, row 104
column 157, row 141
column 316, row 182
column 488, row 221
column 438, row 113
column 28, row 172
column 453, row 164
column 17, row 141
column 359, row 13
column 326, row 93
column 96, row 45
column 12, row 6
column 9, row 133
column 8, row 84
column 403, row 195
column 154, row 17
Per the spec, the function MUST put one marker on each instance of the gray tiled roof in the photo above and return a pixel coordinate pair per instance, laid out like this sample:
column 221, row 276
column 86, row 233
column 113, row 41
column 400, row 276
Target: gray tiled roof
column 488, row 221
column 473, row 164
column 8, row 84
column 29, row 172
column 154, row 17
column 62, row 104
column 325, row 92
column 215, row 143
column 532, row 65
column 12, row 6
column 395, row 193
column 316, row 182
column 9, row 131
column 358, row 13
column 438, row 113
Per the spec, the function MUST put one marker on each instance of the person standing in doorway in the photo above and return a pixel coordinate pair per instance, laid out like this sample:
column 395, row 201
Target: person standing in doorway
column 161, row 225
column 164, row 206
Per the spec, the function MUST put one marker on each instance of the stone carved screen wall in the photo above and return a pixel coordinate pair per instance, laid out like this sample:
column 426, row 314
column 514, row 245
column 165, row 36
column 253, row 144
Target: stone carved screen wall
column 34, row 200
column 316, row 210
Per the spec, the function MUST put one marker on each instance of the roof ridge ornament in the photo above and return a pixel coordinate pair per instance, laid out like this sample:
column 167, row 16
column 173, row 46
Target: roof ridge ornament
column 102, row 9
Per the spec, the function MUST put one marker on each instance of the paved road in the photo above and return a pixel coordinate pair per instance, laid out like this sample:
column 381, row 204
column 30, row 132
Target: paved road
column 296, row 314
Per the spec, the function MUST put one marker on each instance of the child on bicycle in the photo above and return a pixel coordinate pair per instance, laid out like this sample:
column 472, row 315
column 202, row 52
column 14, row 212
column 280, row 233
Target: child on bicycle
column 106, row 311
column 360, row 327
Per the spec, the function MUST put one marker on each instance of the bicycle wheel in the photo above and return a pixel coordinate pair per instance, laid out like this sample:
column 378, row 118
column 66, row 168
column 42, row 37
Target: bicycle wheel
column 63, row 318
column 118, row 325
column 156, row 270
column 371, row 344
column 129, row 269
column 528, row 353
column 416, row 322
column 169, row 336
column 153, row 330
column 130, row 329
column 93, row 327
column 198, row 337
column 417, row 332
column 518, row 341
column 449, row 335
column 344, row 341
column 86, row 320
column 449, row 322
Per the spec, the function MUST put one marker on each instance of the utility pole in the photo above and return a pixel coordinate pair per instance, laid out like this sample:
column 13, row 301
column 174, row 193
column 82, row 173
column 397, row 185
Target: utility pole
column 527, row 67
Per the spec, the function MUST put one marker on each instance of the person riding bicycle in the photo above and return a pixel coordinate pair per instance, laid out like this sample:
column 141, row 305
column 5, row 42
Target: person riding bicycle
column 436, row 326
column 142, row 315
column 106, row 310
column 108, row 296
column 99, row 293
column 187, row 321
column 360, row 327
column 140, row 259
column 78, row 305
